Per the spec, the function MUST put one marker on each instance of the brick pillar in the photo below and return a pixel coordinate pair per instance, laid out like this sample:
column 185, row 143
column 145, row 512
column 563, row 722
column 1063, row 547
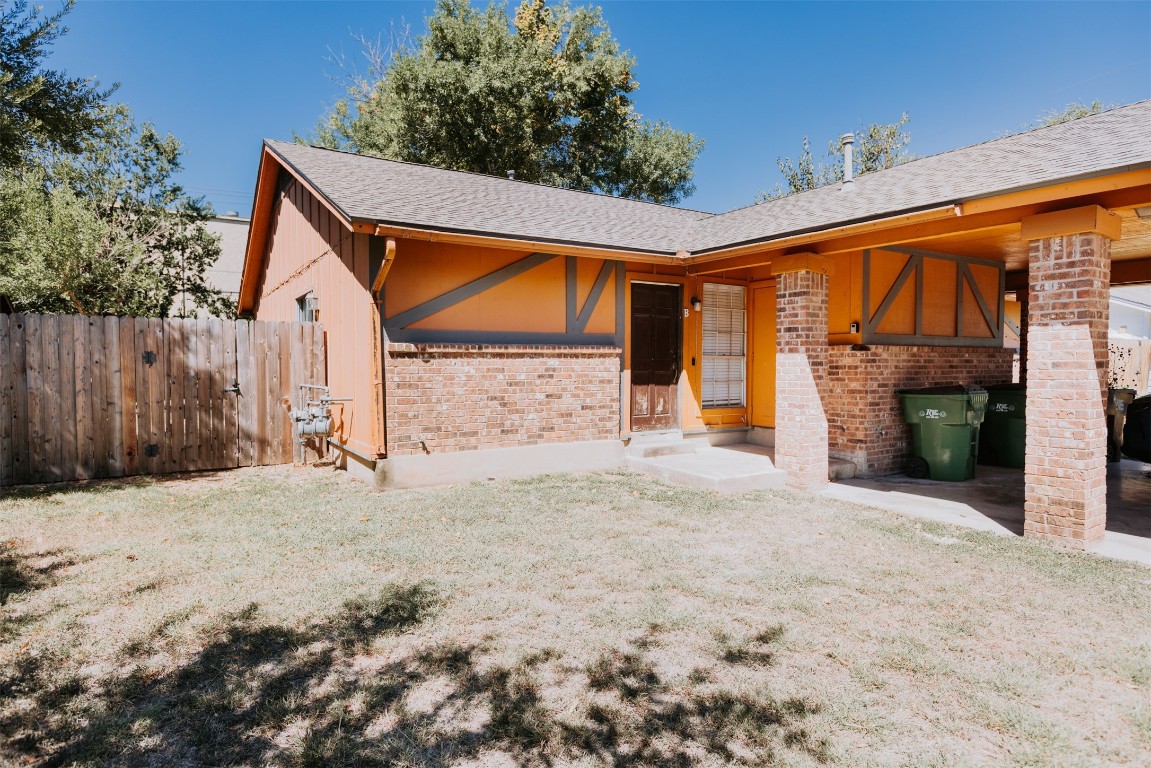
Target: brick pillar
column 1023, row 310
column 801, row 368
column 1066, row 468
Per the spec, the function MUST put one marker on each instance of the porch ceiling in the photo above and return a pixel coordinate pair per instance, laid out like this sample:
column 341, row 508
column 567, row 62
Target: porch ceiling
column 1005, row 244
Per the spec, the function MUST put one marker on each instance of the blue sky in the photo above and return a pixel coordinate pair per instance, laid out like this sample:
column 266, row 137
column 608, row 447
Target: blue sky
column 751, row 78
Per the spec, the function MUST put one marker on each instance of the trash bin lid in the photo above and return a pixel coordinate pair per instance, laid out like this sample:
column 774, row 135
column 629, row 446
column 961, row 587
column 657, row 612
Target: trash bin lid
column 1006, row 387
column 949, row 389
column 946, row 389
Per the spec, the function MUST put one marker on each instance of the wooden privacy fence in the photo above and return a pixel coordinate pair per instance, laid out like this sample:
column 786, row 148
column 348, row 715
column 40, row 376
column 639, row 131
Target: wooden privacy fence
column 89, row 397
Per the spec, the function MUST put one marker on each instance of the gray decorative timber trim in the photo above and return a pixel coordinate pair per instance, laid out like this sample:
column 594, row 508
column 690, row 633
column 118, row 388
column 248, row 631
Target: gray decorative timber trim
column 593, row 297
column 438, row 336
column 963, row 276
column 571, row 277
column 464, row 292
column 943, row 256
column 620, row 306
column 494, row 350
column 895, row 340
column 919, row 270
column 965, row 271
column 912, row 265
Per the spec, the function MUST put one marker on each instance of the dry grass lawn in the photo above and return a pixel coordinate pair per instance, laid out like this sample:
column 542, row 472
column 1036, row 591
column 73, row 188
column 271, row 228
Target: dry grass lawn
column 292, row 617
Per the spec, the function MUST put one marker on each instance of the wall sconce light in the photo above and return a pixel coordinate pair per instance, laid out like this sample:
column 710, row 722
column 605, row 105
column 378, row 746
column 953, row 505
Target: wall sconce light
column 696, row 304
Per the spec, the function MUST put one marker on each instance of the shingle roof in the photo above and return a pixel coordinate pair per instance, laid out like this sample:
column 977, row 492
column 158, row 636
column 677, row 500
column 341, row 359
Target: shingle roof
column 419, row 196
column 1108, row 142
column 404, row 194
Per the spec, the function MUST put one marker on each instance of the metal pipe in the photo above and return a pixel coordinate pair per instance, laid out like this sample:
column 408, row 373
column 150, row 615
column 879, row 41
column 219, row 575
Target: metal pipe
column 846, row 142
column 352, row 451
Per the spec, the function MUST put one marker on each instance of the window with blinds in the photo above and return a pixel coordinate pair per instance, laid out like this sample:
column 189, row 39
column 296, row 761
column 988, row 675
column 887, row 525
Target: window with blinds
column 724, row 345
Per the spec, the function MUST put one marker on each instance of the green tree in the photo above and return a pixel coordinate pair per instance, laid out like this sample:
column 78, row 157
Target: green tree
column 91, row 220
column 546, row 94
column 106, row 230
column 1072, row 111
column 40, row 108
column 877, row 146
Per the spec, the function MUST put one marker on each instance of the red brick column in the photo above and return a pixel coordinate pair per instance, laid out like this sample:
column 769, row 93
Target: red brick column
column 801, row 368
column 1024, row 308
column 1066, row 472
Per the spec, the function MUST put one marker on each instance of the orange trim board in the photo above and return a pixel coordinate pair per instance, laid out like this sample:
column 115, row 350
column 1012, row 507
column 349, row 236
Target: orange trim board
column 488, row 241
column 1072, row 189
column 932, row 214
column 1074, row 221
column 802, row 262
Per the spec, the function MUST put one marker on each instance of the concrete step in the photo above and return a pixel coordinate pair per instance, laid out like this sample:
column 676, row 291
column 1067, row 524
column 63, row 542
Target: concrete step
column 669, row 448
column 714, row 469
column 840, row 469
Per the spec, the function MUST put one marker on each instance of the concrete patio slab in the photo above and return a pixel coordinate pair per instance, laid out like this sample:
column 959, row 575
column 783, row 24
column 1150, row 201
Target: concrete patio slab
column 993, row 502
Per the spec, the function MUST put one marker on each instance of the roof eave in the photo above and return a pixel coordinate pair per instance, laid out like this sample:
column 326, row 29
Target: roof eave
column 930, row 212
column 417, row 231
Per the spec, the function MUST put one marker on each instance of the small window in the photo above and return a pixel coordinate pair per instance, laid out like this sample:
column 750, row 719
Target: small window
column 308, row 308
column 724, row 346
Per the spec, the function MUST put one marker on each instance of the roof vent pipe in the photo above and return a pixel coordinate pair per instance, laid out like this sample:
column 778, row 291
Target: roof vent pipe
column 512, row 175
column 845, row 143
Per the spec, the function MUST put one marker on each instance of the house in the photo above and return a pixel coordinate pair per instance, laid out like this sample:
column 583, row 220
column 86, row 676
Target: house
column 481, row 325
column 1129, row 338
column 224, row 274
column 232, row 229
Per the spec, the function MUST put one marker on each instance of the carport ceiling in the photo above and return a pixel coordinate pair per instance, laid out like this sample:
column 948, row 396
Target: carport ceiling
column 1004, row 243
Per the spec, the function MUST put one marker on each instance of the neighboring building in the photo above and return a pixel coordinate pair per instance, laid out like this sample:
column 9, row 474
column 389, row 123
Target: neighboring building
column 1130, row 313
column 481, row 325
column 1129, row 338
column 225, row 274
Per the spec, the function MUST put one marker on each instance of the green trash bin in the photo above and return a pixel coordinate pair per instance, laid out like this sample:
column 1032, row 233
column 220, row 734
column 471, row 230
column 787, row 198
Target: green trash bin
column 944, row 430
column 1003, row 434
column 1117, row 402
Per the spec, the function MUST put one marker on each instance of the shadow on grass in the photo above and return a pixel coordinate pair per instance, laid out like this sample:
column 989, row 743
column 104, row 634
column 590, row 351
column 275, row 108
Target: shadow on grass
column 50, row 490
column 257, row 693
column 21, row 572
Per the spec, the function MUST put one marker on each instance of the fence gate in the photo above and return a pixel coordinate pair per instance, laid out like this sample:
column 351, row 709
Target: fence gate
column 89, row 397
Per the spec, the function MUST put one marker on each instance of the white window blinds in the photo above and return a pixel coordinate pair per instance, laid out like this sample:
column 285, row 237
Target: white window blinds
column 724, row 345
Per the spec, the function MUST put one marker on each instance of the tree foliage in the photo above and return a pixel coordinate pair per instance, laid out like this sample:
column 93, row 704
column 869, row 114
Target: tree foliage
column 91, row 221
column 877, row 146
column 545, row 94
column 40, row 108
column 1072, row 111
column 106, row 230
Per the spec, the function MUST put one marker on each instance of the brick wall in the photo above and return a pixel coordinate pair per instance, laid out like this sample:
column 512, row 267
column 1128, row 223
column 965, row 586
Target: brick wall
column 465, row 397
column 865, row 418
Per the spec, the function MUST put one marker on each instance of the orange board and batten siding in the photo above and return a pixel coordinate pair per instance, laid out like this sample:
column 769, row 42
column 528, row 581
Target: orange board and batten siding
column 532, row 301
column 915, row 297
column 536, row 300
column 761, row 385
column 310, row 250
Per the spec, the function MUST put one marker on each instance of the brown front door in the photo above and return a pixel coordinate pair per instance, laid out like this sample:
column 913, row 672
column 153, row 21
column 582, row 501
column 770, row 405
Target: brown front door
column 655, row 355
